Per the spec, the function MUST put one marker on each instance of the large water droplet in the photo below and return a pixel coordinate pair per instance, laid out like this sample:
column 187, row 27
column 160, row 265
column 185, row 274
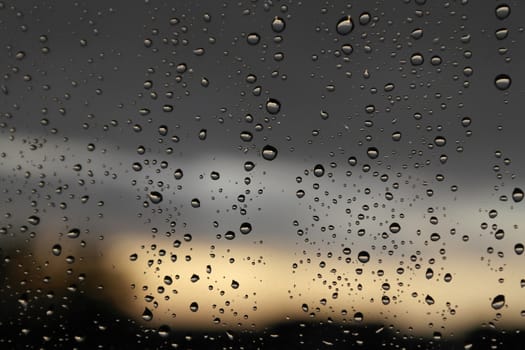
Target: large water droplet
column 245, row 228
column 155, row 197
column 517, row 195
column 345, row 25
column 417, row 59
column 363, row 256
column 502, row 11
column 502, row 81
column 269, row 152
column 194, row 307
column 273, row 106
column 278, row 24
column 147, row 315
column 498, row 302
column 318, row 170
column 73, row 233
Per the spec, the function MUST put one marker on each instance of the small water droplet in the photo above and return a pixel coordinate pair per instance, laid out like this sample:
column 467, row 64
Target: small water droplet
column 235, row 284
column 194, row 307
column 365, row 18
column 56, row 250
column 33, row 220
column 519, row 248
column 73, row 233
column 178, row 174
column 195, row 203
column 253, row 38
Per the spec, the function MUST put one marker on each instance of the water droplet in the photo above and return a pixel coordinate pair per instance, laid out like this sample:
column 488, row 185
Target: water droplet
column 440, row 141
column 500, row 234
column 246, row 136
column 429, row 300
column 203, row 134
column 363, row 256
column 147, row 315
column 318, row 170
column 235, row 284
column 273, row 106
column 155, row 197
column 195, row 203
column 395, row 227
column 215, row 175
column 502, row 82
column 178, row 174
column 56, row 250
column 372, row 152
column 245, row 228
column 517, row 195
column 229, row 235
column 164, row 331
column 502, row 11
column 365, row 18
column 396, row 136
column 502, row 33
column 269, row 152
column 73, row 233
column 278, row 24
column 417, row 59
column 168, row 280
column 498, row 302
column 248, row 166
column 194, row 307
column 417, row 33
column 519, row 248
column 33, row 220
column 253, row 38
column 345, row 25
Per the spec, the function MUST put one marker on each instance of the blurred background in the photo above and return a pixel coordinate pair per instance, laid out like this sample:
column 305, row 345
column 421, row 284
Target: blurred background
column 261, row 174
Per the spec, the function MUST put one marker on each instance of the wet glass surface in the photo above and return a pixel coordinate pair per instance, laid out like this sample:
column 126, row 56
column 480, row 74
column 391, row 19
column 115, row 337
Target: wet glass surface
column 262, row 174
